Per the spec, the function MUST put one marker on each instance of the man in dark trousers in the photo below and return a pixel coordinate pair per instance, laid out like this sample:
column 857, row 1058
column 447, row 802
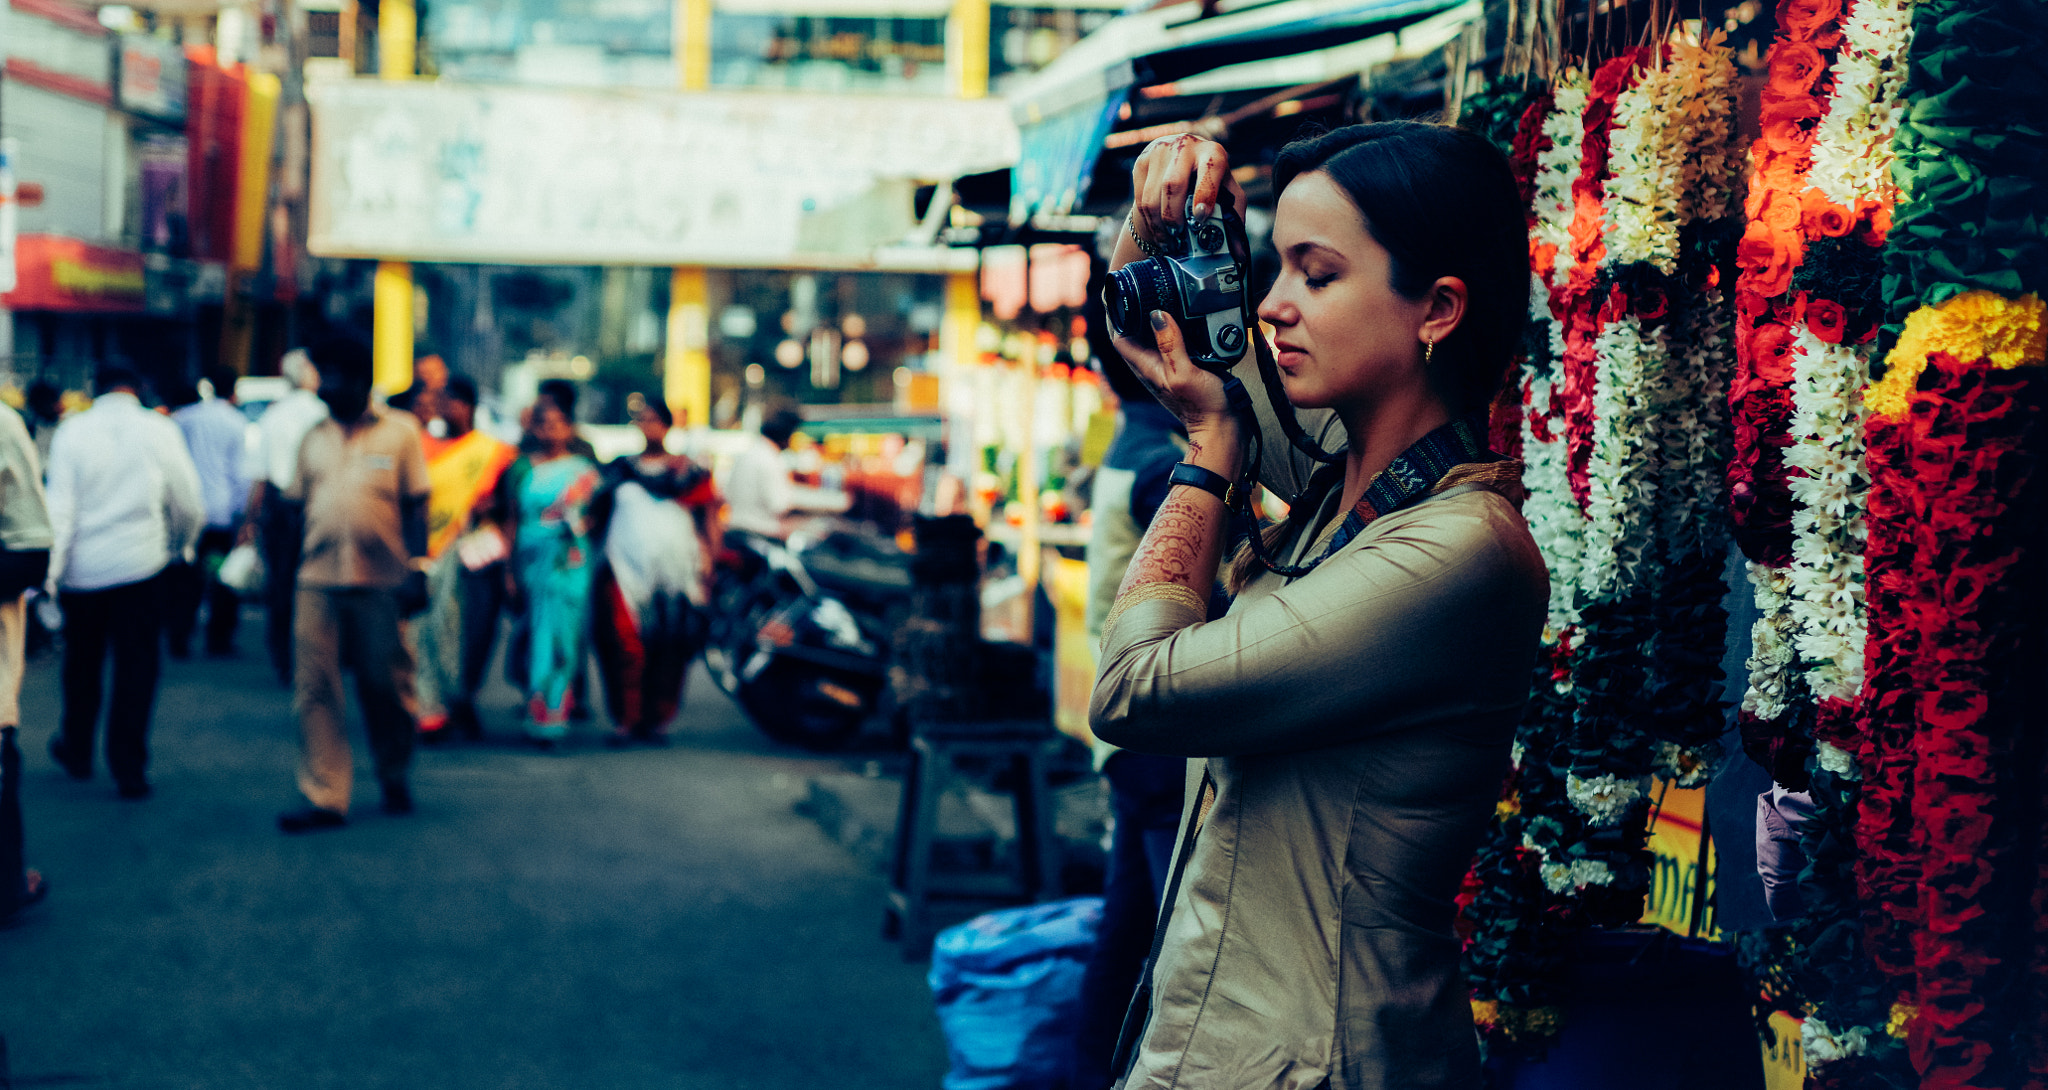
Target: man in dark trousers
column 1144, row 789
column 124, row 505
column 362, row 482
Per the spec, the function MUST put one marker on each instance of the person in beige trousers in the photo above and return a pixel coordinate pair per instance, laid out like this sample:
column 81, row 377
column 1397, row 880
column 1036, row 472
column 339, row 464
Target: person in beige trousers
column 24, row 533
column 362, row 478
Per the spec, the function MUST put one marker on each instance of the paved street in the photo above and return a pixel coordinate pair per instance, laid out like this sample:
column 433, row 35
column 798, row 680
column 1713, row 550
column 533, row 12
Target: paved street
column 588, row 918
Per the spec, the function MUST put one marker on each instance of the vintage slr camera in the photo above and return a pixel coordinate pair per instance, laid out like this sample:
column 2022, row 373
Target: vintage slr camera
column 1198, row 281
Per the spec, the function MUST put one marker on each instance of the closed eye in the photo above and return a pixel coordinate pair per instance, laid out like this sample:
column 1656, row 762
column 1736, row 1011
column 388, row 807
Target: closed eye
column 1318, row 283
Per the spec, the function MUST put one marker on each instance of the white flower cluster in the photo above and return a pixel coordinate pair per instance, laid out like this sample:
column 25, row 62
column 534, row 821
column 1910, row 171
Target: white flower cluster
column 1646, row 162
column 1828, row 495
column 1566, row 877
column 1604, row 799
column 1852, row 147
column 1771, row 643
column 1837, row 760
column 1554, row 518
column 1621, row 474
column 1822, row 1044
column 1686, row 767
column 1704, row 70
column 1558, row 166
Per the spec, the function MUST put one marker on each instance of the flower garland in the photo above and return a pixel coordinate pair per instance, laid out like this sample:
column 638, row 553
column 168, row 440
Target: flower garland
column 1825, row 605
column 1938, row 742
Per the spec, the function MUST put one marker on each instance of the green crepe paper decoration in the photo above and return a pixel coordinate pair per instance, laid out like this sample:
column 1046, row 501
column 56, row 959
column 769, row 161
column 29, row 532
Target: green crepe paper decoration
column 1972, row 157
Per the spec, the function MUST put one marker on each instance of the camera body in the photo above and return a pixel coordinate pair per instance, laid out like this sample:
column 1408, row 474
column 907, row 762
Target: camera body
column 1198, row 280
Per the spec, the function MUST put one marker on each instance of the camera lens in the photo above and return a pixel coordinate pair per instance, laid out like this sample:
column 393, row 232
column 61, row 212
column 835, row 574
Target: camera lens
column 1130, row 295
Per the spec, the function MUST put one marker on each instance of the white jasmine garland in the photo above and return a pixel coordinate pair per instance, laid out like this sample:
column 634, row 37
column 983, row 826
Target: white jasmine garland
column 1702, row 99
column 1622, row 470
column 1852, row 146
column 1554, row 518
column 1771, row 643
column 1694, row 517
column 1605, row 800
column 1829, row 488
column 1558, row 166
column 1686, row 767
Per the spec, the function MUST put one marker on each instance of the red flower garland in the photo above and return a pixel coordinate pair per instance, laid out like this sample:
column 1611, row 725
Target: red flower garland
column 1573, row 304
column 1934, row 729
column 1773, row 244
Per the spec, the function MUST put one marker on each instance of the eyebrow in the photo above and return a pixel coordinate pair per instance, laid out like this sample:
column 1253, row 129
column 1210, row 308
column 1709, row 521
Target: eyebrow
column 1300, row 249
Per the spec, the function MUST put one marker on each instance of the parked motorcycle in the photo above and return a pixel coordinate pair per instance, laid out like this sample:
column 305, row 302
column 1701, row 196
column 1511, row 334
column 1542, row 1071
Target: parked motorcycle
column 801, row 631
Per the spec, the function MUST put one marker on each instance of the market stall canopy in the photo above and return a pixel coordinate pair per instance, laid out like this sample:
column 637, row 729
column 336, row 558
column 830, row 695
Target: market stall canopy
column 447, row 172
column 1066, row 110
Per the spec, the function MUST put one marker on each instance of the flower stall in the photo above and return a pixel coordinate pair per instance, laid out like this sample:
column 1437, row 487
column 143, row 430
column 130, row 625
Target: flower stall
column 1787, row 304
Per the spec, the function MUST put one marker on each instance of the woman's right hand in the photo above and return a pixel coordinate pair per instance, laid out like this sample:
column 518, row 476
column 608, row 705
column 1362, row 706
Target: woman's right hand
column 1169, row 172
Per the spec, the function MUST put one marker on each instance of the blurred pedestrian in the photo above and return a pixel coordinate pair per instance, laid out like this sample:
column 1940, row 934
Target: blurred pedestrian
column 1144, row 789
column 654, row 517
column 519, row 647
column 217, row 435
column 24, row 563
column 466, row 582
column 272, row 518
column 124, row 504
column 362, row 478
column 758, row 491
column 548, row 491
column 429, row 378
column 45, row 411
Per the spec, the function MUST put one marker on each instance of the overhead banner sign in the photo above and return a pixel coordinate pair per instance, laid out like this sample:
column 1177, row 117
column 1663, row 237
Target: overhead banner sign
column 66, row 274
column 438, row 172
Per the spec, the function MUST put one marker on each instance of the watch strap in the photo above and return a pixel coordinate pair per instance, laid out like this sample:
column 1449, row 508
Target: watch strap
column 1208, row 480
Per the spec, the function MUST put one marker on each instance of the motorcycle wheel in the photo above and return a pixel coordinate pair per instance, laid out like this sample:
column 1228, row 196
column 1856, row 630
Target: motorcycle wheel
column 802, row 705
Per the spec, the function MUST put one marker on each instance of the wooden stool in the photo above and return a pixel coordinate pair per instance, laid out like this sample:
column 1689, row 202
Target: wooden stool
column 1022, row 747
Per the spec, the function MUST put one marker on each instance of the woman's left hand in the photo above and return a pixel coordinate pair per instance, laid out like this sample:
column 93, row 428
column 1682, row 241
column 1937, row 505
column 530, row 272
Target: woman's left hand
column 1188, row 392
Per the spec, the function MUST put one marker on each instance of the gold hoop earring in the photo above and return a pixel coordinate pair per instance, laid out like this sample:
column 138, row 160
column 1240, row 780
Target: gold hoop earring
column 1428, row 350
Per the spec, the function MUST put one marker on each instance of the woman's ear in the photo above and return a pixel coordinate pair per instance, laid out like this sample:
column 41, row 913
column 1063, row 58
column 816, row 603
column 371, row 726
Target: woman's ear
column 1447, row 301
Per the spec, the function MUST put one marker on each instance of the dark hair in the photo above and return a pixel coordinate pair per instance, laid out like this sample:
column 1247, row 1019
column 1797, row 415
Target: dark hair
column 223, row 379
column 343, row 355
column 660, row 408
column 1442, row 200
column 562, row 392
column 460, row 388
column 113, row 376
column 780, row 425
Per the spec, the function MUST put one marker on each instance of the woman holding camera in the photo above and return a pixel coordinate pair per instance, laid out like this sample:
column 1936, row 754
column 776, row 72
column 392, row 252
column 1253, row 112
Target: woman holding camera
column 1355, row 708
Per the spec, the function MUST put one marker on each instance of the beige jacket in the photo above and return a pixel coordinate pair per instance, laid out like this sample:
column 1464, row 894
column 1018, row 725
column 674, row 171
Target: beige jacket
column 1357, row 723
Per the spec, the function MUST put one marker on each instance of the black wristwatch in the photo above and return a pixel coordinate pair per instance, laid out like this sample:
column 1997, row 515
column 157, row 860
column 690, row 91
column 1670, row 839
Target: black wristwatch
column 1208, row 480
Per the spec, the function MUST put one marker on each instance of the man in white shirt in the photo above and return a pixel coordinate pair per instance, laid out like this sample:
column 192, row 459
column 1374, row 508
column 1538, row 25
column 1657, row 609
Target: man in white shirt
column 273, row 465
column 757, row 490
column 124, row 503
column 216, row 433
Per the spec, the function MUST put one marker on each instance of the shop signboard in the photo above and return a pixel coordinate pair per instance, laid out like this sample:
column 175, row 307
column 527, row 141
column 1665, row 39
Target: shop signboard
column 149, row 78
column 67, row 274
column 441, row 172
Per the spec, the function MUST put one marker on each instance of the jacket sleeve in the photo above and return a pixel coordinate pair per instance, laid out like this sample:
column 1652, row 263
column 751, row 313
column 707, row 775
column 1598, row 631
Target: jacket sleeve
column 1436, row 618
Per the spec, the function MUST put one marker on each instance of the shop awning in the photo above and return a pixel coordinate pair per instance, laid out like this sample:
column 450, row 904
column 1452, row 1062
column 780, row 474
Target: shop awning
column 1065, row 111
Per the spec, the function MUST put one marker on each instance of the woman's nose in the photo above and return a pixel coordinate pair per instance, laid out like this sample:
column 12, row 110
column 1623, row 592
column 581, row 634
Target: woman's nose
column 1275, row 309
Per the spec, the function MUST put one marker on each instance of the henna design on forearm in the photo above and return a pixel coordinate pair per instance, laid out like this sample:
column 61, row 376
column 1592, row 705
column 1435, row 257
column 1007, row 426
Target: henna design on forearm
column 1182, row 545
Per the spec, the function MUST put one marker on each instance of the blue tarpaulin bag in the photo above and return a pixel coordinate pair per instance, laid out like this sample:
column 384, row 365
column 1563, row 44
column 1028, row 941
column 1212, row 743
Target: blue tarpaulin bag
column 1008, row 990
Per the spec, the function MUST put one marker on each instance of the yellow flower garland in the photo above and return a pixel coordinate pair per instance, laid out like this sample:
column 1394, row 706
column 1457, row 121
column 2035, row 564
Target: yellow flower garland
column 1972, row 326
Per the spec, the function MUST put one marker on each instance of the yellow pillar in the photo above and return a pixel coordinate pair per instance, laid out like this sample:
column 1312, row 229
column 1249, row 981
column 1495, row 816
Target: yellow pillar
column 391, row 332
column 686, row 366
column 967, row 49
column 961, row 321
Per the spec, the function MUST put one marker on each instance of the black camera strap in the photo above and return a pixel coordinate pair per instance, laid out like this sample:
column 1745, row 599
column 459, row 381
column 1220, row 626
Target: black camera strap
column 1407, row 479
